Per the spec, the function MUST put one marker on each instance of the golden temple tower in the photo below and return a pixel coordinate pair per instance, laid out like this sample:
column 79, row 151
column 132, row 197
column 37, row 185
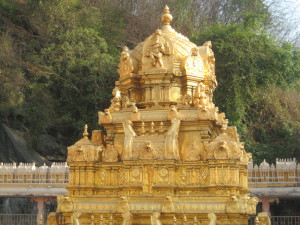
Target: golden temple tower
column 167, row 156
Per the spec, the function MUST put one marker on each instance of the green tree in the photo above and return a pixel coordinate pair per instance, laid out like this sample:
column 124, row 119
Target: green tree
column 76, row 61
column 248, row 62
column 81, row 77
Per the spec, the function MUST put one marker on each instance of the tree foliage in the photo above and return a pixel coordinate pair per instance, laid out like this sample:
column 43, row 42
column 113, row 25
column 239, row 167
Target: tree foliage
column 58, row 63
column 80, row 76
column 258, row 79
column 57, row 79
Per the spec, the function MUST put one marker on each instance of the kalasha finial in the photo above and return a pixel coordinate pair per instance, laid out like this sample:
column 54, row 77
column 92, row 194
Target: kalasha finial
column 166, row 9
column 85, row 132
column 166, row 18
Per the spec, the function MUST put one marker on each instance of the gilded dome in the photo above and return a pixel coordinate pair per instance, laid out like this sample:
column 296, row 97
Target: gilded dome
column 180, row 45
column 167, row 68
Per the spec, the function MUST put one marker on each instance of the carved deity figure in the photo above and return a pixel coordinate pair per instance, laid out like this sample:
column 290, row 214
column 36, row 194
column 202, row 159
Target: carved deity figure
column 126, row 102
column 212, row 219
column 155, row 219
column 106, row 117
column 173, row 113
column 200, row 98
column 148, row 146
column 123, row 205
column 97, row 137
column 76, row 220
column 135, row 115
column 77, row 153
column 222, row 152
column 149, row 151
column 129, row 135
column 211, row 59
column 223, row 147
column 125, row 65
column 262, row 219
column 110, row 154
column 52, row 219
column 184, row 99
column 244, row 199
column 206, row 113
column 252, row 202
column 168, row 207
column 157, row 49
column 245, row 157
column 193, row 153
column 116, row 101
column 232, row 205
column 127, row 218
column 193, row 63
column 171, row 144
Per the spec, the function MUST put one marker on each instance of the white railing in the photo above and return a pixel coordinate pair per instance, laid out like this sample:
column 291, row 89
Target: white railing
column 25, row 173
column 285, row 172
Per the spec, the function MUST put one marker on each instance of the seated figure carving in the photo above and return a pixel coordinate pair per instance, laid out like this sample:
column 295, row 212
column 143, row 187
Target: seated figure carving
column 125, row 65
column 116, row 101
column 157, row 49
column 155, row 219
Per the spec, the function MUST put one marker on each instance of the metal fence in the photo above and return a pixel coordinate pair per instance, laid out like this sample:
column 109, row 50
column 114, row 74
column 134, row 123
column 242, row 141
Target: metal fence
column 30, row 219
column 285, row 220
column 251, row 221
column 280, row 220
column 18, row 219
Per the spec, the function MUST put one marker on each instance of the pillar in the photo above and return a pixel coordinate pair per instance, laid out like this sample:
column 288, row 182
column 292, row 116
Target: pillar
column 265, row 204
column 41, row 205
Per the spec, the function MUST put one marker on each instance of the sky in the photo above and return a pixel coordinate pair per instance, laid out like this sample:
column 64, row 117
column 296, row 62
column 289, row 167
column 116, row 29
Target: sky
column 288, row 12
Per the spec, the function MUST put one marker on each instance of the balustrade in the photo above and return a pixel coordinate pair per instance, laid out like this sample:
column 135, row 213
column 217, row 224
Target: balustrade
column 285, row 172
column 25, row 173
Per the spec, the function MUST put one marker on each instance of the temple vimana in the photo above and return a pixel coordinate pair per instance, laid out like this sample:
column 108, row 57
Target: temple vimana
column 166, row 155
